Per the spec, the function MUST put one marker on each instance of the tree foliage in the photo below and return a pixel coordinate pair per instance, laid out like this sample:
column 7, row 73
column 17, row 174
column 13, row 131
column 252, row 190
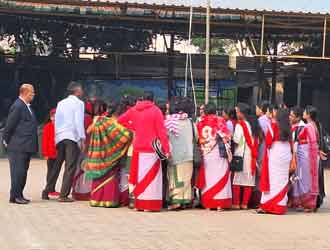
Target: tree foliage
column 244, row 46
column 217, row 46
column 59, row 38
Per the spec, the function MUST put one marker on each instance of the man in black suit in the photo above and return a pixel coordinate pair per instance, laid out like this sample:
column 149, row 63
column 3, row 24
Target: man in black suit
column 21, row 140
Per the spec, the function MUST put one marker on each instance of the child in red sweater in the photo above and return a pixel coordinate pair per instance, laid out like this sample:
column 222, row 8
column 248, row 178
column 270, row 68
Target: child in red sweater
column 49, row 148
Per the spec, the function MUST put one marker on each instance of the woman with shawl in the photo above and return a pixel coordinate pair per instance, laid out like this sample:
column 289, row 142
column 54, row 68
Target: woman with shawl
column 275, row 168
column 180, row 169
column 306, row 188
column 214, row 175
column 108, row 146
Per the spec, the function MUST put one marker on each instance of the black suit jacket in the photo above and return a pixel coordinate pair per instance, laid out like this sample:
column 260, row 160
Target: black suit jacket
column 21, row 129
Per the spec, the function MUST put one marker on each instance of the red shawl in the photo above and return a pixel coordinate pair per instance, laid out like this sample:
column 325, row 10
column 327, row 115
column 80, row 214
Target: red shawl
column 271, row 136
column 312, row 139
column 253, row 144
column 208, row 128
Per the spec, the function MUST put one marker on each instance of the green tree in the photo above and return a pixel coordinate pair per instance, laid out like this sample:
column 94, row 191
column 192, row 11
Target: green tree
column 51, row 37
column 217, row 46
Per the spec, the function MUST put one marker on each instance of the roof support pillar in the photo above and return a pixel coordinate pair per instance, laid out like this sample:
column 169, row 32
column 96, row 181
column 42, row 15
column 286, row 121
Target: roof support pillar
column 261, row 69
column 170, row 72
column 324, row 36
column 262, row 36
column 299, row 86
column 207, row 52
column 274, row 74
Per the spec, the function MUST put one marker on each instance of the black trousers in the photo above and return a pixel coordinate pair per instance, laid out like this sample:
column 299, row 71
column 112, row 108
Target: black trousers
column 50, row 168
column 68, row 152
column 321, row 195
column 19, row 164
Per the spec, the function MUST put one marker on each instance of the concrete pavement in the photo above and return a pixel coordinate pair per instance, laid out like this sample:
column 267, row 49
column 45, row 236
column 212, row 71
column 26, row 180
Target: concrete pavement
column 49, row 225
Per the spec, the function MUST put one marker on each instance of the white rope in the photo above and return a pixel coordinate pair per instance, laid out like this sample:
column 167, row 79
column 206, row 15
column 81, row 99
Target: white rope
column 193, row 86
column 189, row 61
column 188, row 51
column 186, row 76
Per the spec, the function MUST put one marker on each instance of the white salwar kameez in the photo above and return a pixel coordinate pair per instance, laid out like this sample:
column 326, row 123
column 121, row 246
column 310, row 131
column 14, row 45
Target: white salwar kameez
column 245, row 177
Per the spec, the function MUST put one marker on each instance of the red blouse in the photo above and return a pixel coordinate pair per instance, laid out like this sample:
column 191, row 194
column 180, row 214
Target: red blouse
column 48, row 141
column 273, row 134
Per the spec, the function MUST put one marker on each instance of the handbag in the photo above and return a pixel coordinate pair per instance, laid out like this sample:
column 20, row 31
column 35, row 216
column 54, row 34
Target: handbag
column 197, row 155
column 222, row 147
column 157, row 146
column 326, row 143
column 236, row 165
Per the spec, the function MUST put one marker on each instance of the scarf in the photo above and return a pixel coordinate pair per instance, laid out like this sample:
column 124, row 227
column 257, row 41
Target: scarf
column 253, row 144
column 269, row 139
column 109, row 142
column 172, row 122
column 208, row 128
column 312, row 139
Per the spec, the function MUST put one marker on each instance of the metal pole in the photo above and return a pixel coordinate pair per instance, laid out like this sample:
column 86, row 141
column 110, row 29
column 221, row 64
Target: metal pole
column 274, row 75
column 262, row 35
column 170, row 57
column 261, row 69
column 324, row 37
column 188, row 57
column 207, row 52
column 299, row 90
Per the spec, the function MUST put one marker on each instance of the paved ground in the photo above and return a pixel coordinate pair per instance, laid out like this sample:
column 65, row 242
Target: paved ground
column 53, row 226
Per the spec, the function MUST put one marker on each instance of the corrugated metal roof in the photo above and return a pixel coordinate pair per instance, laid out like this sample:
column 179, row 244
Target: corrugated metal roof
column 306, row 6
column 313, row 6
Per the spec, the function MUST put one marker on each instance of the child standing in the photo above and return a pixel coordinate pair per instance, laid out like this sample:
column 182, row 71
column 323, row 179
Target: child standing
column 49, row 148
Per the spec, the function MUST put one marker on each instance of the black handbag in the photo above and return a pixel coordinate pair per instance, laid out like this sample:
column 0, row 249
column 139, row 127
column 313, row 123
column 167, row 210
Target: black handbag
column 197, row 155
column 222, row 147
column 324, row 139
column 157, row 146
column 236, row 165
column 326, row 143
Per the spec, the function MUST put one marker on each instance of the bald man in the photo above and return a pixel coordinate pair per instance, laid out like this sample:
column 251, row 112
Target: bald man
column 21, row 140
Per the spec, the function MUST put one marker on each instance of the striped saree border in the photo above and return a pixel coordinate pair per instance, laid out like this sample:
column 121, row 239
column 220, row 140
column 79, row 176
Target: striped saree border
column 108, row 144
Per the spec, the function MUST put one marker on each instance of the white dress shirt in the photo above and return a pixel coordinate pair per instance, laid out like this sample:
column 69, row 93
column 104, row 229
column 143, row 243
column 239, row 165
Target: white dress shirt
column 28, row 105
column 69, row 120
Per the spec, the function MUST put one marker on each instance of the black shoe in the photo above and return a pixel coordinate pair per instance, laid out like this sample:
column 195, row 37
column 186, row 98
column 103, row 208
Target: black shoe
column 19, row 201
column 260, row 211
column 44, row 196
column 65, row 199
column 25, row 199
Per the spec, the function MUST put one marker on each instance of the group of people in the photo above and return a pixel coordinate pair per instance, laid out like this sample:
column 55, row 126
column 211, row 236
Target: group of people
column 149, row 157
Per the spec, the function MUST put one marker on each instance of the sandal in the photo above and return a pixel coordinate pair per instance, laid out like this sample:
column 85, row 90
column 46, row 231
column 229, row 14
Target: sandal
column 235, row 207
column 309, row 210
column 260, row 211
column 174, row 207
